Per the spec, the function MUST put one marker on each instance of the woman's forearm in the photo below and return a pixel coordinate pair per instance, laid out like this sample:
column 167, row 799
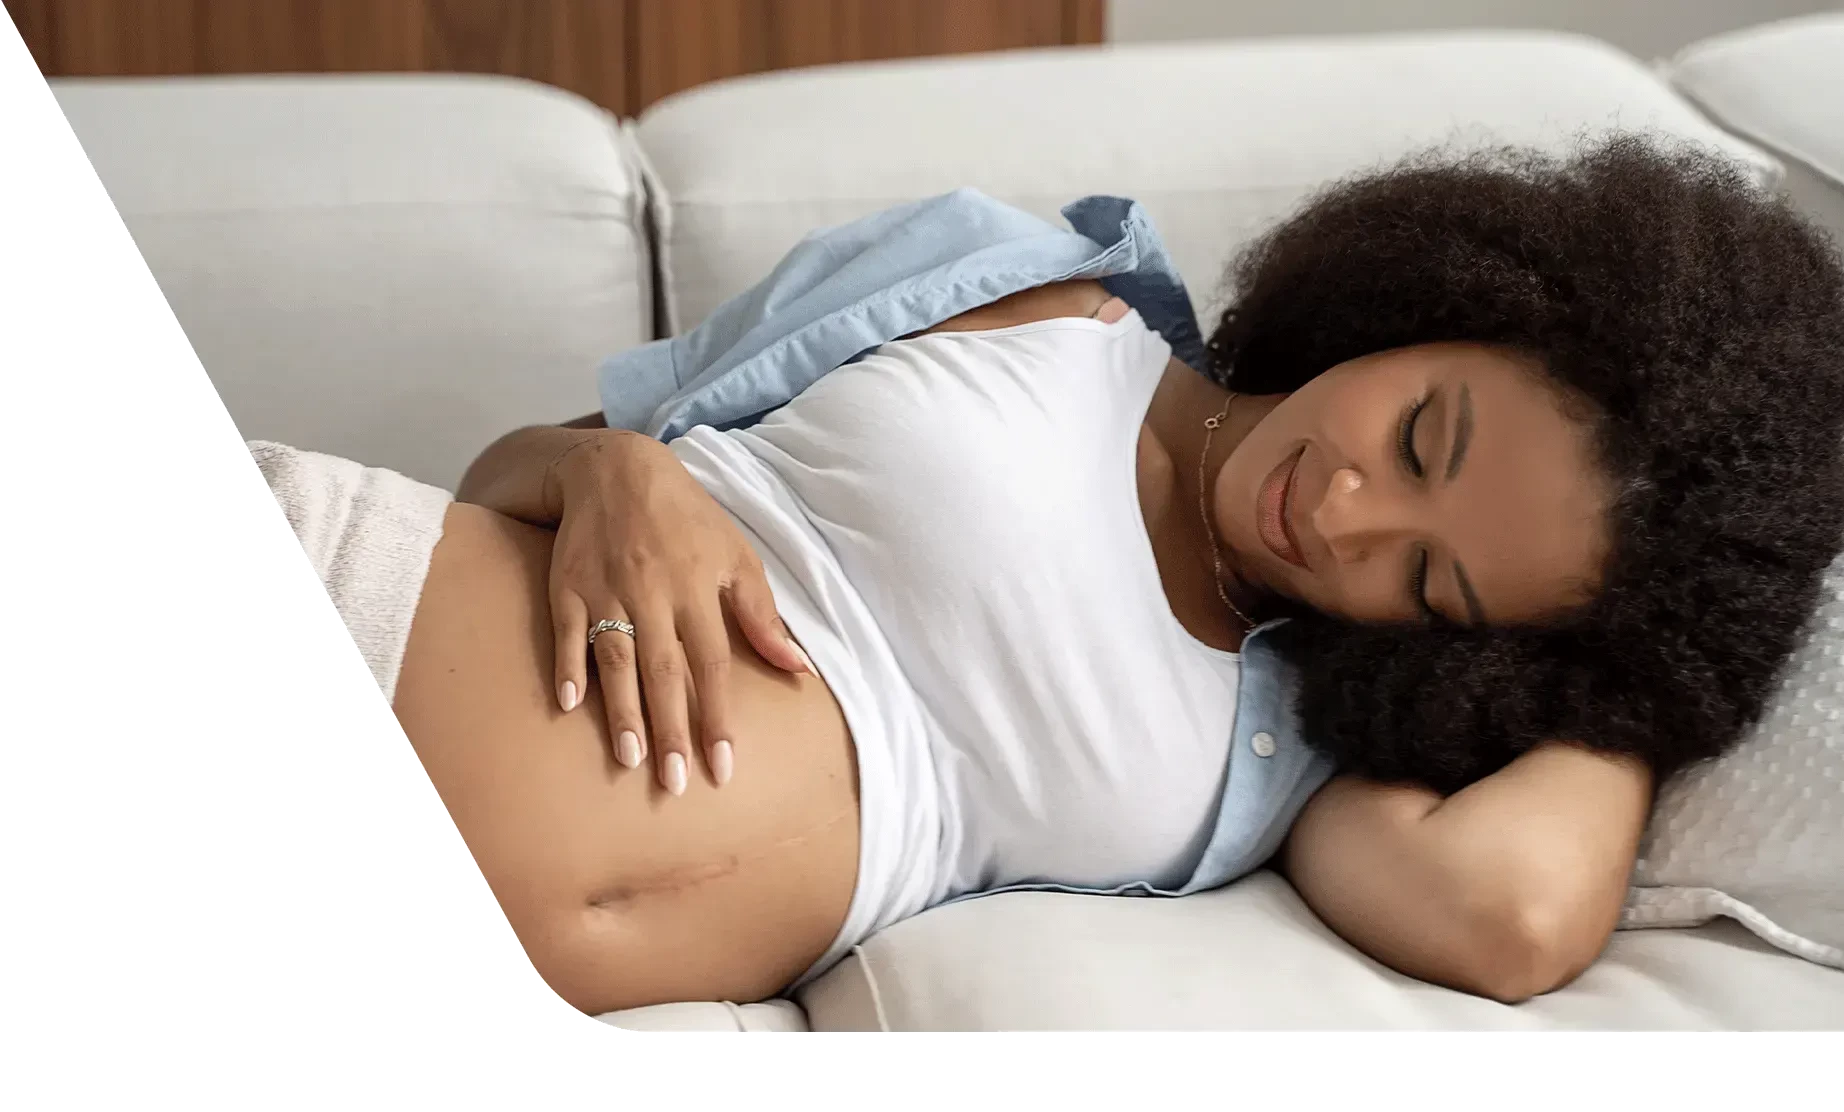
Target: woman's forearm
column 514, row 476
column 1365, row 859
column 1507, row 889
column 1560, row 828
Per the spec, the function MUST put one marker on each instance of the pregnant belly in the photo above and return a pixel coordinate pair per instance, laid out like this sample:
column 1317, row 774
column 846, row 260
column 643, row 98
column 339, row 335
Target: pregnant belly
column 622, row 894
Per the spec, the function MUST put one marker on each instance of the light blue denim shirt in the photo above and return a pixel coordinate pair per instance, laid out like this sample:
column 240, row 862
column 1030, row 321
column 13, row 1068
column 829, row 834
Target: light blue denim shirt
column 842, row 292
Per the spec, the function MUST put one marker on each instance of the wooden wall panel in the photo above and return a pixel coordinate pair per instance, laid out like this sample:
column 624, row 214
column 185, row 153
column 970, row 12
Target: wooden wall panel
column 622, row 54
column 90, row 38
column 310, row 36
column 580, row 45
column 681, row 43
column 1088, row 22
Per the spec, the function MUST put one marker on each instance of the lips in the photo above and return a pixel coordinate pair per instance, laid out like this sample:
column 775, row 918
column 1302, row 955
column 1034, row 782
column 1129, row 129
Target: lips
column 1271, row 504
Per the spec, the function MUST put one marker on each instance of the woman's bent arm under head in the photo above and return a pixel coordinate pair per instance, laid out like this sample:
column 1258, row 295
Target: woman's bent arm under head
column 1507, row 889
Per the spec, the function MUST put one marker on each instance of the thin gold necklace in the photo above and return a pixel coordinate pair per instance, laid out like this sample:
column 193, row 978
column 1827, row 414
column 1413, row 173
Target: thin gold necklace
column 1216, row 554
column 1211, row 425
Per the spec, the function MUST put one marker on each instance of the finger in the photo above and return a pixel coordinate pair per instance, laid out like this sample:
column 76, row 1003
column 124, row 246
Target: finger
column 614, row 665
column 707, row 660
column 662, row 679
column 570, row 627
column 753, row 603
column 1111, row 310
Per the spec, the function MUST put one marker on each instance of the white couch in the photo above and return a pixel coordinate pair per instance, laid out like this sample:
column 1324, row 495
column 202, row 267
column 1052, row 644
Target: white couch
column 400, row 268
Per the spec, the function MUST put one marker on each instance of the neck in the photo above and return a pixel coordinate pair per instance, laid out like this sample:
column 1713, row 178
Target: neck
column 1182, row 539
column 1183, row 401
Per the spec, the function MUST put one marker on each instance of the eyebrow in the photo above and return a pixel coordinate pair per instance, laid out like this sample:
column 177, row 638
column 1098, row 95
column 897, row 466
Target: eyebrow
column 1462, row 434
column 1474, row 610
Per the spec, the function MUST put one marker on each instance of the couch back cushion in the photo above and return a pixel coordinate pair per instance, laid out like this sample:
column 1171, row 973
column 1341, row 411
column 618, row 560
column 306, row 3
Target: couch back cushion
column 395, row 269
column 1782, row 86
column 1216, row 139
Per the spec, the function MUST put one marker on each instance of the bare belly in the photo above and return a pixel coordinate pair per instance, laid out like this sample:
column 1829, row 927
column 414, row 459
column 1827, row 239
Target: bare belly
column 622, row 894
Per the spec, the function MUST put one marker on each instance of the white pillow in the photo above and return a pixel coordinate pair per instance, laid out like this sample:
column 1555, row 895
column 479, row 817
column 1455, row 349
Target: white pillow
column 1758, row 835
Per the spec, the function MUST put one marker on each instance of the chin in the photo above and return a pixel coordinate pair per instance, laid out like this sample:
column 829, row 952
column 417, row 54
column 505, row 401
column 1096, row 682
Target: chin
column 1273, row 596
column 1273, row 605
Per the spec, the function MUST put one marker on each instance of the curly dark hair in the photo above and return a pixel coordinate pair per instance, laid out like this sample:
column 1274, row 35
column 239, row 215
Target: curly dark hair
column 1697, row 322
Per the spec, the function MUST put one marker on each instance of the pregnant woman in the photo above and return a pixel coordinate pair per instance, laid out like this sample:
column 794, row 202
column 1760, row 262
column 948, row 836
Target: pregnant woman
column 1540, row 463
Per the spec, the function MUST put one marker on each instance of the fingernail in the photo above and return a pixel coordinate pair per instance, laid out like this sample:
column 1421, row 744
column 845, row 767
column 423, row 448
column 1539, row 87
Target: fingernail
column 568, row 696
column 627, row 749
column 723, row 762
column 805, row 659
column 675, row 773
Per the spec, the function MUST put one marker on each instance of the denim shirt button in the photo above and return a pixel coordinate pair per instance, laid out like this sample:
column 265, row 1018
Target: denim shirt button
column 1263, row 744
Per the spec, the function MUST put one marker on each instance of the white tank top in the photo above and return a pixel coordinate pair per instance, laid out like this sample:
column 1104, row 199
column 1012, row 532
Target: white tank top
column 952, row 530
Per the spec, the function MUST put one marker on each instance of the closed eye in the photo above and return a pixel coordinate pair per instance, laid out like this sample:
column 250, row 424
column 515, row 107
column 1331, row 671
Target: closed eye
column 1405, row 449
column 1405, row 436
column 1418, row 587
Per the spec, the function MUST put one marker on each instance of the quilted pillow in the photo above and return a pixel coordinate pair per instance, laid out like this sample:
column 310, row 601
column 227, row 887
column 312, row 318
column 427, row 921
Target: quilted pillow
column 1758, row 834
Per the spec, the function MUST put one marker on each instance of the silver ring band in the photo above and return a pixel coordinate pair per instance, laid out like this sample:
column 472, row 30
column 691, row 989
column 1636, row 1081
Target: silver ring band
column 606, row 624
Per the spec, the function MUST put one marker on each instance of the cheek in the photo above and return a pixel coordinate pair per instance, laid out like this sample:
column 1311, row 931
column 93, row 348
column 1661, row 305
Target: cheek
column 1361, row 413
column 1340, row 418
column 1345, row 410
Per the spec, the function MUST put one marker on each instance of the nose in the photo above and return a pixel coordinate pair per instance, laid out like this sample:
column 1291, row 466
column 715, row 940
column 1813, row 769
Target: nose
column 1354, row 519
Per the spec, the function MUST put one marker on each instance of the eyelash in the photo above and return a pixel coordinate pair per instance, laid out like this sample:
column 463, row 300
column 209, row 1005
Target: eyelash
column 1405, row 447
column 1405, row 436
column 1418, row 587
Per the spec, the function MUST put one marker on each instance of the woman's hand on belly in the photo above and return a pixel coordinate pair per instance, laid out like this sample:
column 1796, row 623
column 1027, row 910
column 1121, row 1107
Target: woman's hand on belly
column 640, row 541
column 621, row 894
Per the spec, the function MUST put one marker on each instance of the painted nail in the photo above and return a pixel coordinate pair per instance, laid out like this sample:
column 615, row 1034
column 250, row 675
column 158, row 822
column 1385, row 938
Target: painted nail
column 568, row 696
column 805, row 659
column 675, row 773
column 723, row 762
column 627, row 749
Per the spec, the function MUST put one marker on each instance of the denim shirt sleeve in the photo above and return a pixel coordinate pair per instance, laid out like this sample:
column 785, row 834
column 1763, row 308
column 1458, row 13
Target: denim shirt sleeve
column 843, row 291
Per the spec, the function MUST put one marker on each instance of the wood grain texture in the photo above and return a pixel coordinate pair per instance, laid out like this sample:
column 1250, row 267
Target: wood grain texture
column 1087, row 22
column 110, row 38
column 310, row 36
column 622, row 54
column 580, row 45
column 681, row 43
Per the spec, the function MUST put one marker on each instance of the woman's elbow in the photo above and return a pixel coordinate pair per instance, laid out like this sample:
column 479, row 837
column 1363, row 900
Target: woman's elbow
column 1531, row 948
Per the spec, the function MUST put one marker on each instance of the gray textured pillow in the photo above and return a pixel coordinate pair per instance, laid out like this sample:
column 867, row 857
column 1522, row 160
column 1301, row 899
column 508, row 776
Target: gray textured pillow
column 1758, row 835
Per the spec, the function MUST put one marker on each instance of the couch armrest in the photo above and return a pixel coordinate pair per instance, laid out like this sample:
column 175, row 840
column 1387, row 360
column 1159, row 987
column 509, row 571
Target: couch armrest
column 1780, row 85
